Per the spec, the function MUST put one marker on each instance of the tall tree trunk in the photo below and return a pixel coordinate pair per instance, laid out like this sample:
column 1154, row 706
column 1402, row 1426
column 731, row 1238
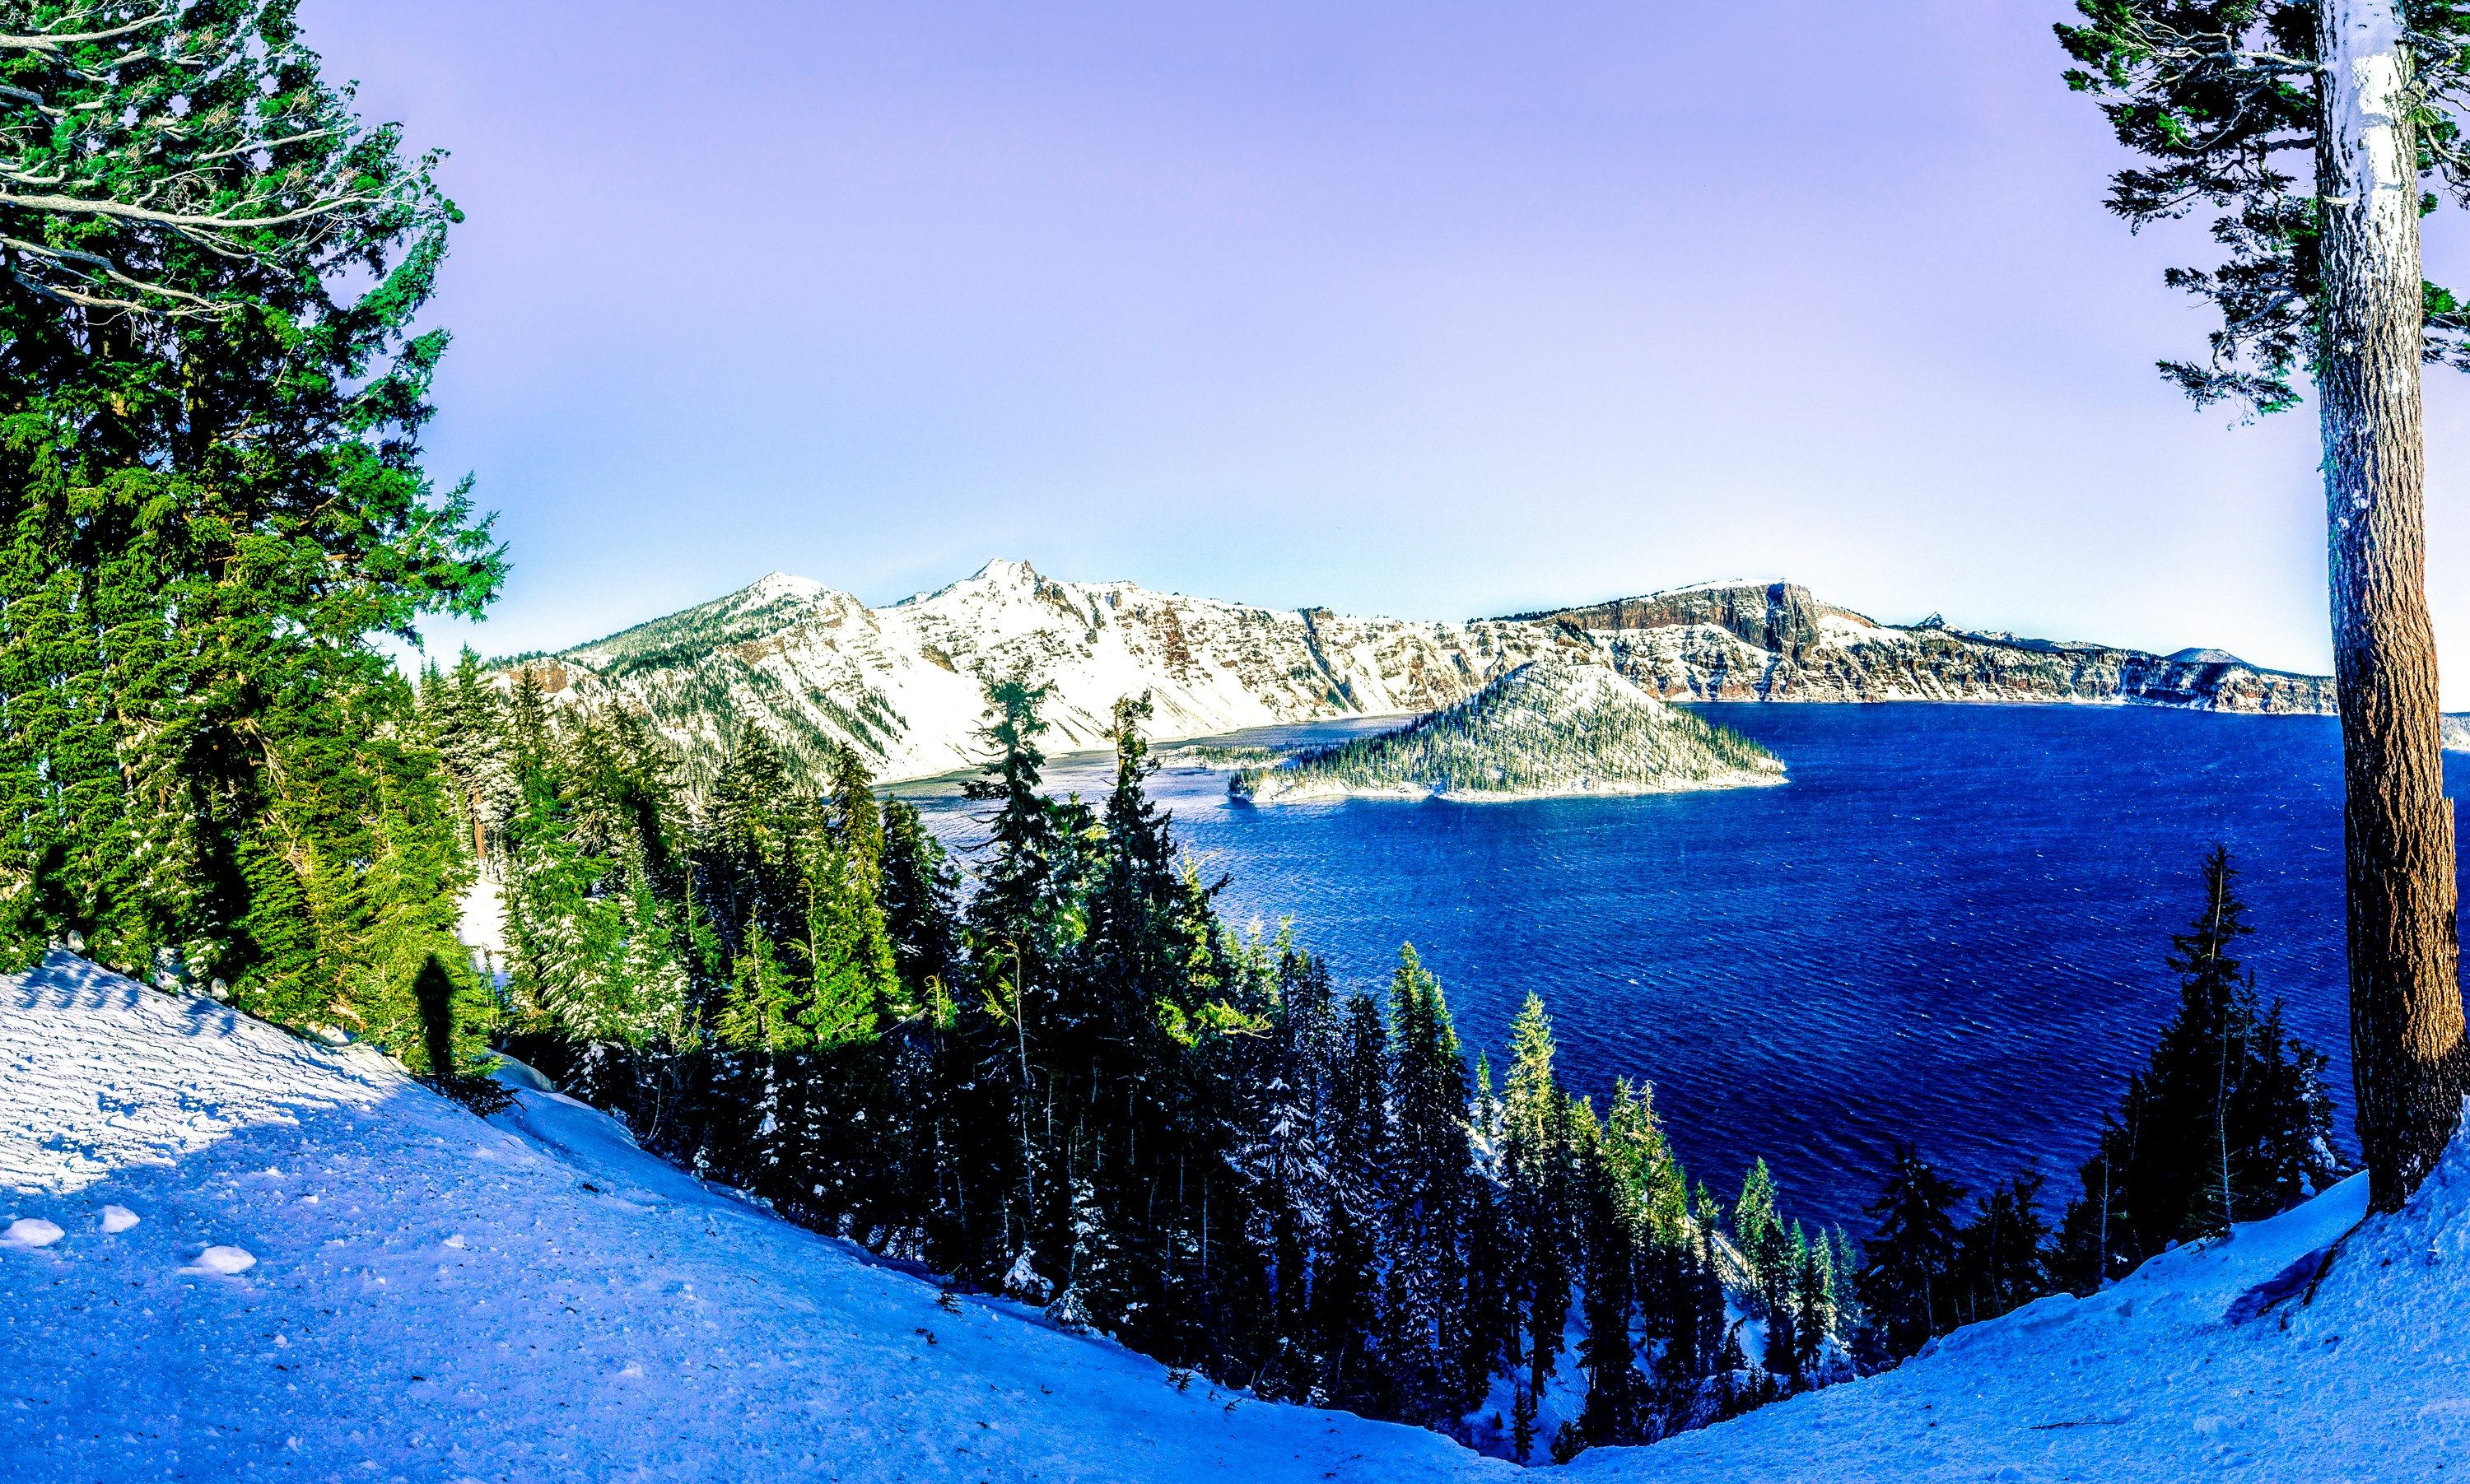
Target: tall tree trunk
column 2406, row 1021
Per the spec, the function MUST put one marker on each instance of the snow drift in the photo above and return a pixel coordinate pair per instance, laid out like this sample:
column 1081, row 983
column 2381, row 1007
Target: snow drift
column 2288, row 1351
column 334, row 1273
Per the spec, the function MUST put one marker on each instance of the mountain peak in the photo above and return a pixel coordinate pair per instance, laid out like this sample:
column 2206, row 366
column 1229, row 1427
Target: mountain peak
column 1000, row 572
column 780, row 585
column 1005, row 570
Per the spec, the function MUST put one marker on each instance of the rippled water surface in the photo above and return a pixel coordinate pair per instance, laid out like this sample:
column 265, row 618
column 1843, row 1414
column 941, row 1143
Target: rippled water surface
column 1948, row 926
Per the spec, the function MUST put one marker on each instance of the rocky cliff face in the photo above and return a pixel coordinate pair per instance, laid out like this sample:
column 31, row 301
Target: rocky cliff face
column 1774, row 641
column 903, row 683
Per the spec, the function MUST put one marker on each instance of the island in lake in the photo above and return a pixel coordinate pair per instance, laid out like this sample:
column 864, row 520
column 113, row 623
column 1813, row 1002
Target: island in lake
column 1562, row 723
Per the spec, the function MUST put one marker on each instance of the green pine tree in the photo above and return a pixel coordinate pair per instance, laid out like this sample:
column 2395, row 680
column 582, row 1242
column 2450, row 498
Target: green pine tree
column 209, row 314
column 1431, row 1191
column 2230, row 1119
column 1909, row 1281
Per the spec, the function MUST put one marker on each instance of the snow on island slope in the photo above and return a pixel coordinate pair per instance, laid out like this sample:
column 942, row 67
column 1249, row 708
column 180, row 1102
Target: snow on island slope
column 2207, row 1360
column 1556, row 725
column 427, row 1296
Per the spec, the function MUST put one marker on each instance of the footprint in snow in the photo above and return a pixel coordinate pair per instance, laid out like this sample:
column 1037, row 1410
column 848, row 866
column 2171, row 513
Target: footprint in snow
column 31, row 1232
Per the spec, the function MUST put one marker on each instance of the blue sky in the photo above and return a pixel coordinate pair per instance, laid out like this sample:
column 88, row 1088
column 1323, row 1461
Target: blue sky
column 1435, row 310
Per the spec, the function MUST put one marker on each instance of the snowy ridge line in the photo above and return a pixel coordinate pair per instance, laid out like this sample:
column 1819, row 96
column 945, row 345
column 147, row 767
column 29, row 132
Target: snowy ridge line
column 348, row 1276
column 904, row 683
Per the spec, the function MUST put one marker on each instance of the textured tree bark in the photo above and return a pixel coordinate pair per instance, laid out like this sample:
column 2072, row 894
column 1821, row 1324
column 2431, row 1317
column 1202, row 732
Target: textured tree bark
column 2406, row 1017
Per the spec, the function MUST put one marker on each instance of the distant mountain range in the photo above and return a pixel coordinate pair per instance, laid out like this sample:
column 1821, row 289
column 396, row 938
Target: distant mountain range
column 902, row 683
column 811, row 665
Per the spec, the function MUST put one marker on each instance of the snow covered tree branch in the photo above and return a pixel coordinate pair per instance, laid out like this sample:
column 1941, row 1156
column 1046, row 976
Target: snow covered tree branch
column 144, row 146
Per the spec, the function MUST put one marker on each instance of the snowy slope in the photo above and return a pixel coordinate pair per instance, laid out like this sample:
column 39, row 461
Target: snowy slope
column 334, row 1274
column 2207, row 1360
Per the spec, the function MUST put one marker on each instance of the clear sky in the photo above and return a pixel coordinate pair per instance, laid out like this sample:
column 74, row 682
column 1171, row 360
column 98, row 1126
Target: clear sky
column 1427, row 308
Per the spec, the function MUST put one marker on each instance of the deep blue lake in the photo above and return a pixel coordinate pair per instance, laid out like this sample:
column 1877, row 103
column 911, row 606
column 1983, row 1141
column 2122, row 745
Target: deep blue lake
column 1948, row 926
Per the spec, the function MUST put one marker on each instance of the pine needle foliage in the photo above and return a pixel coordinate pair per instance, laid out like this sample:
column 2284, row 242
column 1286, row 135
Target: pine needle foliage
column 2222, row 101
column 2229, row 1119
column 212, row 389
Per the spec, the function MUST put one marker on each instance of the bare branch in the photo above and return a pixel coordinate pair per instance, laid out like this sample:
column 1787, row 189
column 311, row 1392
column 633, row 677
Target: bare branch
column 67, row 295
column 264, row 144
column 187, row 222
column 110, row 271
column 50, row 44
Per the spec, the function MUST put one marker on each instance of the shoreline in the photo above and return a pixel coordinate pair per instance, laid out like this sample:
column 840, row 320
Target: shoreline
column 1410, row 793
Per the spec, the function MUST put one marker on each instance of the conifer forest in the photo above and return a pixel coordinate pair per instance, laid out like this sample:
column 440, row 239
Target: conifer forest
column 1054, row 1073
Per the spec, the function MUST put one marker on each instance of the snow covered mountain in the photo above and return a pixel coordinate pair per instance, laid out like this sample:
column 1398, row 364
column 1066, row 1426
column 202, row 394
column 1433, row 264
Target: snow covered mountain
column 231, row 1253
column 1560, row 723
column 813, row 666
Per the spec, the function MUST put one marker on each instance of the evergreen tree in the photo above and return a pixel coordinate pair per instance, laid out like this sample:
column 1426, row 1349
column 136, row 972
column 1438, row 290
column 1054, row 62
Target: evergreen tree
column 1614, row 1222
column 763, row 1008
column 860, row 821
column 1346, row 1298
column 1813, row 1307
column 1909, row 1282
column 1758, row 1230
column 1110, row 1043
column 1292, row 1154
column 1539, row 1200
column 211, row 503
column 2003, row 1250
column 1782, row 1359
column 1022, row 926
column 596, row 937
column 921, row 896
column 465, row 714
column 1431, row 1191
column 2310, row 125
column 2228, row 1120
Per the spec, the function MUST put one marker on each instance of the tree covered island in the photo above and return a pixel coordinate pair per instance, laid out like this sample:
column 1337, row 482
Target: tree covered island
column 1561, row 724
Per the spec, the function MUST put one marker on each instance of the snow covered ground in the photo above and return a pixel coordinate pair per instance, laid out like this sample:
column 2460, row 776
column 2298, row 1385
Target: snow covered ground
column 332, row 1274
column 2207, row 1361
column 228, row 1253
